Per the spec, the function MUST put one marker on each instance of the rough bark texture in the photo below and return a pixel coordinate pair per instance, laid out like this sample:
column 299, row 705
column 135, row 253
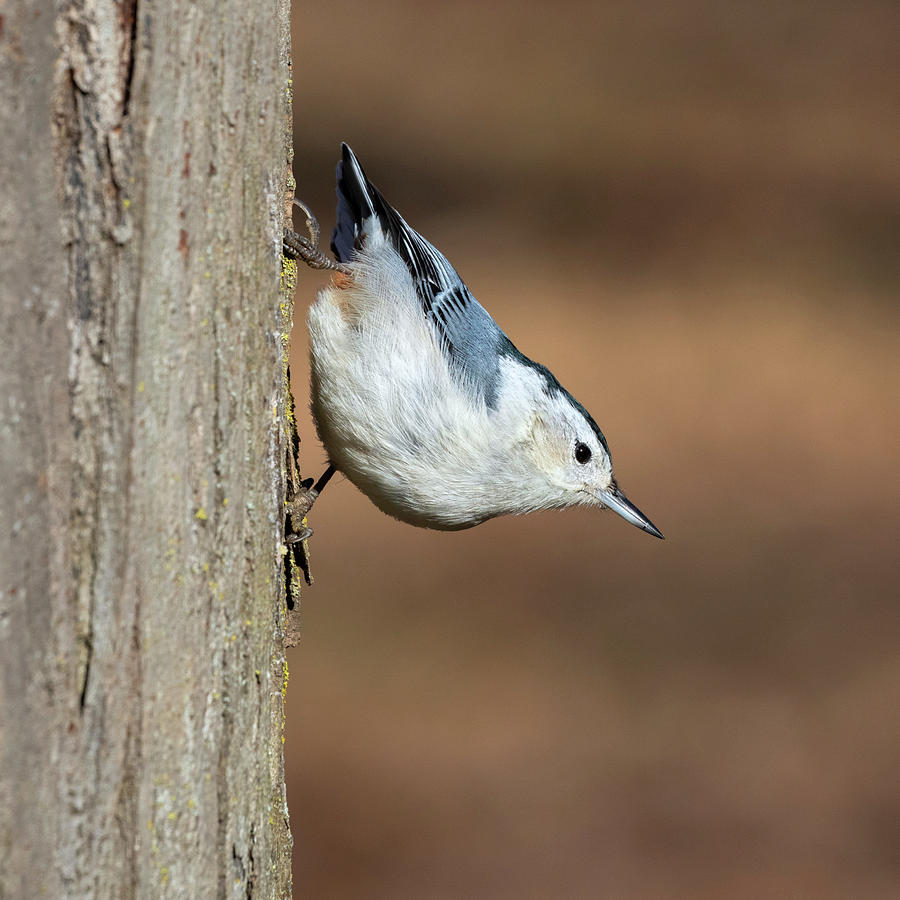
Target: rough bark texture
column 144, row 438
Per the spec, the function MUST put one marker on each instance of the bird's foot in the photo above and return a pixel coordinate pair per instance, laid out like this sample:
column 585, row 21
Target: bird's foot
column 299, row 505
column 307, row 249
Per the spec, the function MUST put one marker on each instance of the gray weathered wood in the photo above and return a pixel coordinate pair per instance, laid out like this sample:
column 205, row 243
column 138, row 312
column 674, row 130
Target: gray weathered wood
column 144, row 163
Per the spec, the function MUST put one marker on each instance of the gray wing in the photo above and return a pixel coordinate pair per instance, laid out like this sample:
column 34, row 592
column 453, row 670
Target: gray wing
column 472, row 341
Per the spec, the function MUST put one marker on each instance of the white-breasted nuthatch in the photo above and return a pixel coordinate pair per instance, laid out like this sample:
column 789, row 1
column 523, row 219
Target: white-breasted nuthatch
column 419, row 397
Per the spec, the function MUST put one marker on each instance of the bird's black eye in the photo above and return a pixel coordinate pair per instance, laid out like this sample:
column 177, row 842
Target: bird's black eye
column 582, row 452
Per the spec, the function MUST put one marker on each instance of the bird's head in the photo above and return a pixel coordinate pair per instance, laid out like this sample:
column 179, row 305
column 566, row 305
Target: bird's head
column 574, row 458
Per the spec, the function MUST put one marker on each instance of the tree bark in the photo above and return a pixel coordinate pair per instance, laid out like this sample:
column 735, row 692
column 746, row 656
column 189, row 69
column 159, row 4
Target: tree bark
column 145, row 440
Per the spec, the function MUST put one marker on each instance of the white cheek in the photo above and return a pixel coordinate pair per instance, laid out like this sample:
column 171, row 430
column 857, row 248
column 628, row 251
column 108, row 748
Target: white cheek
column 550, row 460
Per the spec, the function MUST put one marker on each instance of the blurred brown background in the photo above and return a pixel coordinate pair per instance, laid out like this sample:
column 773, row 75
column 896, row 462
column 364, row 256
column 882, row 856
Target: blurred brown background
column 690, row 212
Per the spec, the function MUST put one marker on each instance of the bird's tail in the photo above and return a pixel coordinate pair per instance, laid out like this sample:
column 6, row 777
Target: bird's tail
column 361, row 209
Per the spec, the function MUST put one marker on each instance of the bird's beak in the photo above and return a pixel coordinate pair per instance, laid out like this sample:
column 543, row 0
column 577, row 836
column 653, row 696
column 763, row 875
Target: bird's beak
column 618, row 502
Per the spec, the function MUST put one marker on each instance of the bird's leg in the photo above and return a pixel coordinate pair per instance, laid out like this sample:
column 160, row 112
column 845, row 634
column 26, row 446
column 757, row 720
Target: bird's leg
column 307, row 248
column 301, row 503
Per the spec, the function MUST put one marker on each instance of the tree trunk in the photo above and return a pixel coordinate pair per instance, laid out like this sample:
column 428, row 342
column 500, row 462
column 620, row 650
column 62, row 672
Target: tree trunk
column 145, row 445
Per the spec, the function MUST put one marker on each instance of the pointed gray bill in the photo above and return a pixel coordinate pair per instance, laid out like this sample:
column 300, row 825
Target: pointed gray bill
column 619, row 503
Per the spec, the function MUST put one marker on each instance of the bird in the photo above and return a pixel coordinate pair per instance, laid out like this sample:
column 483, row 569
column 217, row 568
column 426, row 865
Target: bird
column 419, row 397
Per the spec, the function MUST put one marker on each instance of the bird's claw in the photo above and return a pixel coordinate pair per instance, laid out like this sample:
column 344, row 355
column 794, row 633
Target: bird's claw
column 307, row 249
column 298, row 506
column 304, row 534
